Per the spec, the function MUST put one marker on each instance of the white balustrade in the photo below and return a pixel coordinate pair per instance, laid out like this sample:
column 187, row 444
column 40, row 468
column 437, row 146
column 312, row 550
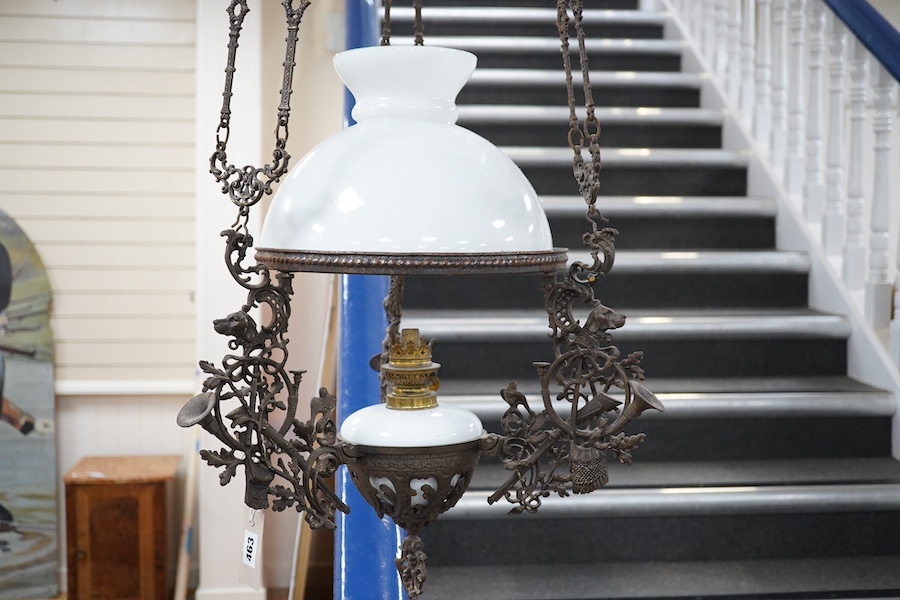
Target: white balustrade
column 833, row 221
column 802, row 89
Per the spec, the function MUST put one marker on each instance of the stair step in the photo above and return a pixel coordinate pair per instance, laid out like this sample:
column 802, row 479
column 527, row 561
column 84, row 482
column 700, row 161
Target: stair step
column 526, row 156
column 529, row 115
column 685, row 262
column 725, row 523
column 452, row 326
column 782, row 402
column 526, row 21
column 660, row 290
column 594, row 4
column 663, row 206
column 718, row 477
column 544, row 53
column 540, row 87
column 706, row 385
column 839, row 578
column 680, row 344
column 637, row 127
column 680, row 501
column 673, row 234
column 751, row 473
column 645, row 171
column 670, row 223
column 550, row 45
column 724, row 421
column 542, row 77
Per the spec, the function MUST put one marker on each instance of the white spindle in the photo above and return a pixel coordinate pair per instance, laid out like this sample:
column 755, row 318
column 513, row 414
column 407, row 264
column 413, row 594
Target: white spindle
column 779, row 84
column 708, row 31
column 748, row 57
column 722, row 43
column 795, row 171
column 762, row 117
column 878, row 288
column 854, row 262
column 733, row 66
column 833, row 224
column 698, row 19
column 814, row 188
column 683, row 11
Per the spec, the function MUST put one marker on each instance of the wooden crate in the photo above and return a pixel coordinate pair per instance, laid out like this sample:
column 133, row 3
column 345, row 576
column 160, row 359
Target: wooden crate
column 116, row 527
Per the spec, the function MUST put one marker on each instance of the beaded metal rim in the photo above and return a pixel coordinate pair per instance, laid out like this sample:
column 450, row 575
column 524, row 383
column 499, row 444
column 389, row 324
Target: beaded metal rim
column 412, row 264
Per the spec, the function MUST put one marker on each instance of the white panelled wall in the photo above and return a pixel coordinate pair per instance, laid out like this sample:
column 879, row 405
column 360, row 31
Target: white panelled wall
column 108, row 111
column 97, row 143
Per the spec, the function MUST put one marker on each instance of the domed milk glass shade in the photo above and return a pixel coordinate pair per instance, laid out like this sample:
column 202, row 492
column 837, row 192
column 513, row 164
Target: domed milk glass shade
column 405, row 179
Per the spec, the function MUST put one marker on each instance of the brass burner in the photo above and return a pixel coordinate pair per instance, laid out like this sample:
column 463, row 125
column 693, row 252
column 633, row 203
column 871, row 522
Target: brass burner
column 410, row 374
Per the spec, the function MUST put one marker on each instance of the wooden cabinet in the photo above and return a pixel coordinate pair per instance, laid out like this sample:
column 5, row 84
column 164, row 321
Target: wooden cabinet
column 116, row 527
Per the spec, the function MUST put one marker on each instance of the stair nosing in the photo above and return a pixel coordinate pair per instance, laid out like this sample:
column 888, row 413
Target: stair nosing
column 705, row 261
column 509, row 43
column 607, row 78
column 640, row 325
column 737, row 405
column 491, row 113
column 642, row 157
column 760, row 206
column 693, row 501
column 526, row 15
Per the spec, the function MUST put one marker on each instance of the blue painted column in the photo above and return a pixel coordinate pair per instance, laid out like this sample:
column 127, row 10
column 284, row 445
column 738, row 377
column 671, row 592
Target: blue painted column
column 365, row 546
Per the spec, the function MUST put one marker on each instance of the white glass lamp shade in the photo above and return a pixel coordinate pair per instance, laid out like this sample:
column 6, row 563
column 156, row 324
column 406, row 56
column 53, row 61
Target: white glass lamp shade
column 405, row 181
column 383, row 427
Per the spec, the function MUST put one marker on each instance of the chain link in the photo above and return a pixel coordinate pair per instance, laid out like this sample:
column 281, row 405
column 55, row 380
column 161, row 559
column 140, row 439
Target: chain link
column 386, row 24
column 586, row 174
column 246, row 186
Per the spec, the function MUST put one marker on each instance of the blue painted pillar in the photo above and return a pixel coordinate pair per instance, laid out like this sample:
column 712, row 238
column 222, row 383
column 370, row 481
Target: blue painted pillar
column 365, row 546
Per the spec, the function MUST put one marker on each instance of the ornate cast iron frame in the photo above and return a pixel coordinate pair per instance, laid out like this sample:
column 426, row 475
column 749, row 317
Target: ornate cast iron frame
column 559, row 449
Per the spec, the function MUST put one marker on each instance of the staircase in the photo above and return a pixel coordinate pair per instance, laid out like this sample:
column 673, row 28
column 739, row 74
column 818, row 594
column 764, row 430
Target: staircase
column 770, row 475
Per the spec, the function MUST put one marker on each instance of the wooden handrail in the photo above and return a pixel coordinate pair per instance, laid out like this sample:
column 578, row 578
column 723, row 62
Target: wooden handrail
column 872, row 29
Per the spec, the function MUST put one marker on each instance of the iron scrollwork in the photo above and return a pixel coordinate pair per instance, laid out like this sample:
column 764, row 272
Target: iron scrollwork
column 253, row 379
column 564, row 447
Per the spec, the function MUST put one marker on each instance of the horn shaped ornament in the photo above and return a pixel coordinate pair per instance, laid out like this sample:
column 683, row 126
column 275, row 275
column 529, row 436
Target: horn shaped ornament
column 641, row 399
